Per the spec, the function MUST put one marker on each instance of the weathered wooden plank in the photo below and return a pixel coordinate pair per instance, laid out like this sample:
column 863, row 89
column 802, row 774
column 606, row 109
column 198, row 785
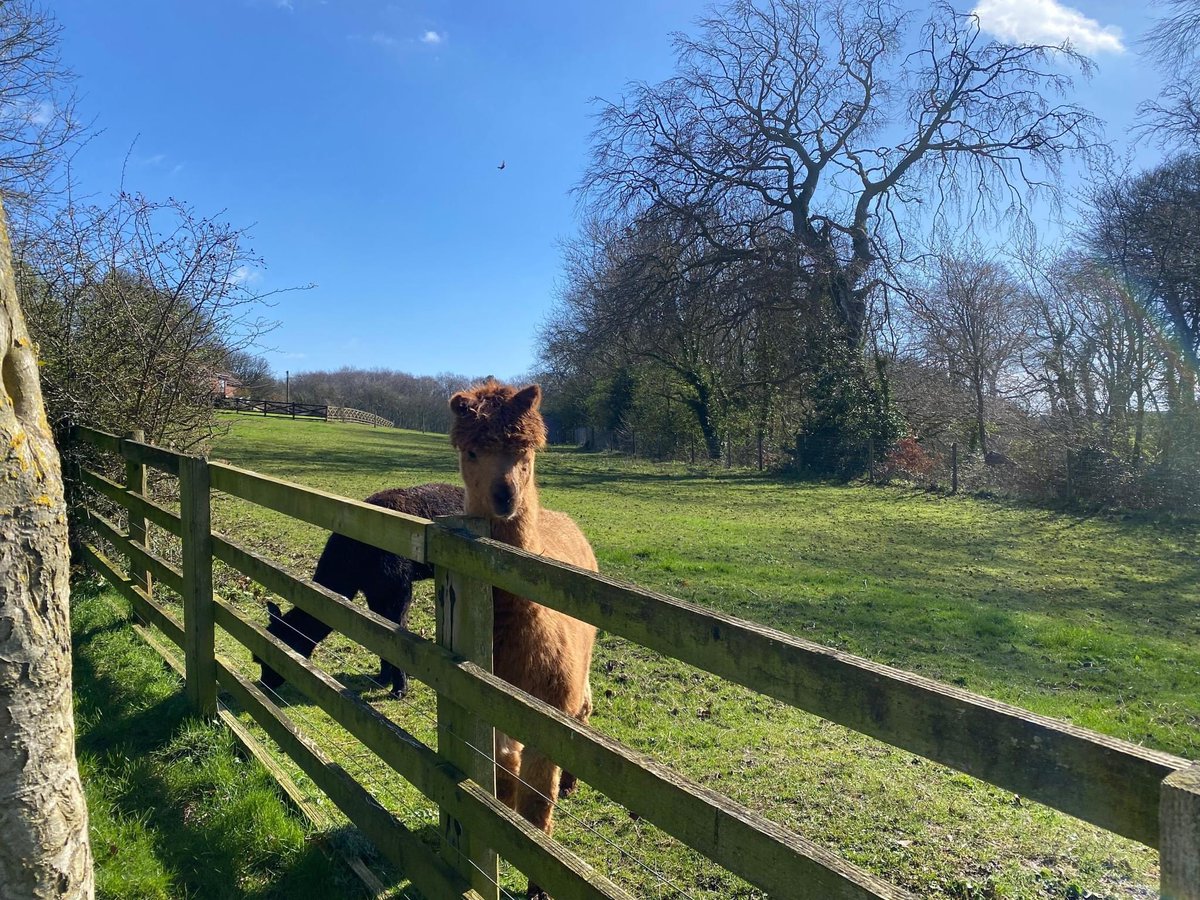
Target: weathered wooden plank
column 143, row 606
column 1106, row 781
column 553, row 867
column 1179, row 856
column 136, row 484
column 196, row 532
column 161, row 570
column 156, row 457
column 164, row 460
column 401, row 847
column 463, row 617
column 746, row 843
column 396, row 532
column 715, row 826
column 138, row 506
column 147, row 634
column 100, row 439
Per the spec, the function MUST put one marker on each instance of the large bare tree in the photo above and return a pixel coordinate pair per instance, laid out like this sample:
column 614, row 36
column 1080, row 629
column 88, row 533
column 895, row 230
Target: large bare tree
column 826, row 124
column 44, row 850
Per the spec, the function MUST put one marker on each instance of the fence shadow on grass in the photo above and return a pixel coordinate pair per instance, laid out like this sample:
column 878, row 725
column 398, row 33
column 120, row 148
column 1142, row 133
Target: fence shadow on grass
column 208, row 822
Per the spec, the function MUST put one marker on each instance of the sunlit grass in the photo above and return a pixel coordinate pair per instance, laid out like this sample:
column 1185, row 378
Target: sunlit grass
column 174, row 811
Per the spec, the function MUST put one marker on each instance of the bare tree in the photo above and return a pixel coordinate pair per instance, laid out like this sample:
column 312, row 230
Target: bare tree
column 971, row 321
column 638, row 295
column 1174, row 116
column 37, row 110
column 135, row 306
column 820, row 126
column 1097, row 358
column 253, row 372
column 43, row 817
column 1147, row 228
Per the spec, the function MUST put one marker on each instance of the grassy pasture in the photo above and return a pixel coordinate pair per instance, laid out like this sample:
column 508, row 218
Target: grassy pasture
column 174, row 811
column 1093, row 620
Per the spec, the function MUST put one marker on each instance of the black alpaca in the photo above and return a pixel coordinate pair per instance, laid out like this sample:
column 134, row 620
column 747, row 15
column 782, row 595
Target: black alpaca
column 348, row 566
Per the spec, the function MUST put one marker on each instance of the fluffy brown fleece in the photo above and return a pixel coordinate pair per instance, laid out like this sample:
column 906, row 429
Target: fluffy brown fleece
column 491, row 416
column 497, row 430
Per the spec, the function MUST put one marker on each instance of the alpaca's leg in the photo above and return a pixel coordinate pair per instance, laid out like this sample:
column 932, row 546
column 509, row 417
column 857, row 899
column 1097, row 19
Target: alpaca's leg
column 538, row 793
column 390, row 596
column 538, row 789
column 508, row 769
column 568, row 782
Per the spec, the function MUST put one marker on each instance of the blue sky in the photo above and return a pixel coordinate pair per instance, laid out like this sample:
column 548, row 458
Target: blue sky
column 361, row 139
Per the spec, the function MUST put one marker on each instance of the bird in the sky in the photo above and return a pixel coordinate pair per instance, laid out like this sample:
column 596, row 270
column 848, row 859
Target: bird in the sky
column 502, row 164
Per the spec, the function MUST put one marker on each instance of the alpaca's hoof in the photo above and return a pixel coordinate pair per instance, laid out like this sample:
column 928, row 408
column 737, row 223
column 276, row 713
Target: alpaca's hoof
column 536, row 893
column 567, row 784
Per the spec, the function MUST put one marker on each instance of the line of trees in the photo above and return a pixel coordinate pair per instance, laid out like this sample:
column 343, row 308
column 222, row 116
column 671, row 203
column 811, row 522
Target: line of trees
column 766, row 273
column 418, row 402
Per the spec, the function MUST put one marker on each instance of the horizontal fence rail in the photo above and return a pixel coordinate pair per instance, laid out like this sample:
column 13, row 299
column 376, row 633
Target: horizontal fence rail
column 1109, row 782
column 1112, row 783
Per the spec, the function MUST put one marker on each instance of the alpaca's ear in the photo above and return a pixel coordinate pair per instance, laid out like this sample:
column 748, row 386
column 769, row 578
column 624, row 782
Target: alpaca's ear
column 460, row 403
column 274, row 610
column 528, row 398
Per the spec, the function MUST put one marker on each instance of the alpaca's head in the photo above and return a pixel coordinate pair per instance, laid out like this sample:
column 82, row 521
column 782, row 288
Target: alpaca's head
column 497, row 430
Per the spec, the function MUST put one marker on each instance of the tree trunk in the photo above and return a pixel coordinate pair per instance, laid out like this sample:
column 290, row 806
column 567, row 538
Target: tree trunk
column 980, row 416
column 44, row 850
column 701, row 405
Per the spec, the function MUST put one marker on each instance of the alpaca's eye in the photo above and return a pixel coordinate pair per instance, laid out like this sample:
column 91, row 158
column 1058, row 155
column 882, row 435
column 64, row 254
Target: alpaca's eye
column 470, row 454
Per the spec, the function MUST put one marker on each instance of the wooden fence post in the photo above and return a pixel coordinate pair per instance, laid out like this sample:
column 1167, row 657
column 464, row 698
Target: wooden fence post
column 1070, row 486
column 198, row 629
column 463, row 608
column 954, row 468
column 1179, row 830
column 135, row 480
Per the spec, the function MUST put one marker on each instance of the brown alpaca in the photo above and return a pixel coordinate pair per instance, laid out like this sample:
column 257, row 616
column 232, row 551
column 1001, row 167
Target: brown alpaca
column 497, row 431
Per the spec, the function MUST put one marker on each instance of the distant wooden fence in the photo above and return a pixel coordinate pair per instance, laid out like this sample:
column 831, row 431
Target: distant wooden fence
column 301, row 410
column 1146, row 795
column 350, row 414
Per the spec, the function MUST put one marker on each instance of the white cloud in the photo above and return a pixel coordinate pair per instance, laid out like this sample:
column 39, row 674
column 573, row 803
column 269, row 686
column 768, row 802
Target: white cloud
column 432, row 37
column 384, row 40
column 245, row 275
column 40, row 113
column 1046, row 22
column 285, row 4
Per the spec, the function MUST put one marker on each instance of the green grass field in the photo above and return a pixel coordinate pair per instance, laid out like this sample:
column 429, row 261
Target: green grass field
column 1093, row 620
column 174, row 811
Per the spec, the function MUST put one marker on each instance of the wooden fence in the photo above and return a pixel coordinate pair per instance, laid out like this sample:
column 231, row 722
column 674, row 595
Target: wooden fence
column 1146, row 795
column 350, row 414
column 272, row 407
